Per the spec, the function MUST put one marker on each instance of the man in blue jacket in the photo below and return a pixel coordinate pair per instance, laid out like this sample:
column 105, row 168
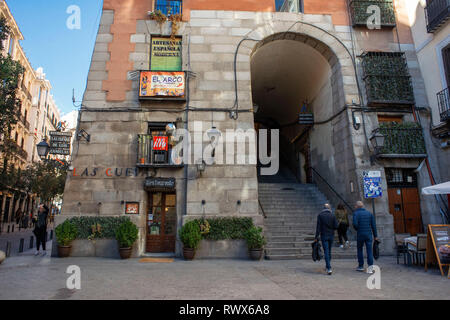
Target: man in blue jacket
column 326, row 225
column 364, row 224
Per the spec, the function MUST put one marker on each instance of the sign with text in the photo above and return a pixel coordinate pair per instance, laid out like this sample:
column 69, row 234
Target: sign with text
column 155, row 84
column 60, row 142
column 166, row 54
column 372, row 184
column 438, row 246
column 159, row 184
column 161, row 143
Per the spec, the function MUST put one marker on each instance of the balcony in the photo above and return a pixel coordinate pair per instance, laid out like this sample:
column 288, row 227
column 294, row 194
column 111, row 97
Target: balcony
column 437, row 12
column 152, row 153
column 443, row 98
column 404, row 140
column 27, row 92
column 358, row 11
column 19, row 151
column 25, row 122
column 387, row 79
column 169, row 7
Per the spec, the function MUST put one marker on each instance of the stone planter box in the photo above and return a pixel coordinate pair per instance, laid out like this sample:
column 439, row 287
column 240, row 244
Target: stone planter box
column 104, row 248
column 222, row 249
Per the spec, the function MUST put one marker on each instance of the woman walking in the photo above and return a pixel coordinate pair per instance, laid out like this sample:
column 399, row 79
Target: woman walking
column 342, row 218
column 40, row 230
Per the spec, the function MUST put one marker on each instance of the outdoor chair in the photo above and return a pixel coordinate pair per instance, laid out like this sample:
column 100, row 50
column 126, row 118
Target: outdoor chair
column 421, row 248
column 400, row 246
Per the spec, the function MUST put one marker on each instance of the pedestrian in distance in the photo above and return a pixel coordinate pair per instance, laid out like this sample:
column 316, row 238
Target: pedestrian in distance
column 342, row 218
column 364, row 224
column 40, row 229
column 326, row 225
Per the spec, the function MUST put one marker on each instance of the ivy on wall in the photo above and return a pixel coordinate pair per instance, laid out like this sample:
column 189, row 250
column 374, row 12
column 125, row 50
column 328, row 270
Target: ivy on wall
column 387, row 78
column 403, row 138
column 227, row 228
column 108, row 226
column 358, row 10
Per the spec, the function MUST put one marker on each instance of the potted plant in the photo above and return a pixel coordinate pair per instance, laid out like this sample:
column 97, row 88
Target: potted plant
column 190, row 236
column 126, row 235
column 65, row 233
column 255, row 242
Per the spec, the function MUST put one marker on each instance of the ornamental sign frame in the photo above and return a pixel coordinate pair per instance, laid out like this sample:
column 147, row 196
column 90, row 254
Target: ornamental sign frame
column 60, row 143
column 162, row 85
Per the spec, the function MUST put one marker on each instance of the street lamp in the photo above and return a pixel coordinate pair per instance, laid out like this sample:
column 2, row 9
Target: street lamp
column 43, row 148
column 377, row 140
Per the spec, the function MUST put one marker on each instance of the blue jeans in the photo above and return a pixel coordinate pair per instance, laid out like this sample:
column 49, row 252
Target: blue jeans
column 360, row 245
column 327, row 244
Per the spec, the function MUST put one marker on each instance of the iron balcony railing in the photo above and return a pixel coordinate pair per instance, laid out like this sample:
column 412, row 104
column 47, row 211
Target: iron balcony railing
column 169, row 7
column 437, row 12
column 443, row 98
column 27, row 92
column 25, row 122
column 387, row 78
column 149, row 157
column 21, row 152
column 360, row 16
column 403, row 140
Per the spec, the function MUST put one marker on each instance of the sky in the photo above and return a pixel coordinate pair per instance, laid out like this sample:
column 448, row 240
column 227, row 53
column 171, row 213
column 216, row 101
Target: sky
column 63, row 53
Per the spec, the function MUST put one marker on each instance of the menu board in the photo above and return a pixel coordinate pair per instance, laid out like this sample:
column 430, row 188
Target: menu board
column 438, row 246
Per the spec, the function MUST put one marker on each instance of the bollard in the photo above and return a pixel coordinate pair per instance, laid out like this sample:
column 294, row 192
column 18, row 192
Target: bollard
column 8, row 248
column 22, row 240
column 31, row 242
column 51, row 234
column 8, row 228
column 12, row 228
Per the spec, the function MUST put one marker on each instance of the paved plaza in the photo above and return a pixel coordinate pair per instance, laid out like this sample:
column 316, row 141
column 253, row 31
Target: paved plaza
column 28, row 277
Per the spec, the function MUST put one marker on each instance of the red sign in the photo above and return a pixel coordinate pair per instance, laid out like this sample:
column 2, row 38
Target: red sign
column 161, row 143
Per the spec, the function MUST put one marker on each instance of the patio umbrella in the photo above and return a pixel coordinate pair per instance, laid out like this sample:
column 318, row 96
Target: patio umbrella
column 443, row 188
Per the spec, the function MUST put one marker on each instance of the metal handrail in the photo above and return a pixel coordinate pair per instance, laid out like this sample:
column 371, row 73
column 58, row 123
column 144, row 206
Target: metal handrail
column 331, row 188
column 443, row 98
column 260, row 205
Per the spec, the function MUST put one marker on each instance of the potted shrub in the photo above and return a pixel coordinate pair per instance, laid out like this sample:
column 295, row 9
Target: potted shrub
column 255, row 242
column 65, row 233
column 126, row 235
column 190, row 236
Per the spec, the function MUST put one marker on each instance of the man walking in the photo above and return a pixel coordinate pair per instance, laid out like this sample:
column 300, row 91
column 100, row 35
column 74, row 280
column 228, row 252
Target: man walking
column 326, row 225
column 364, row 224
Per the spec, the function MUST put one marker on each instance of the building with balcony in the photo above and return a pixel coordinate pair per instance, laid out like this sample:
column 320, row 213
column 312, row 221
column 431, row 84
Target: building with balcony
column 25, row 132
column 243, row 66
column 431, row 33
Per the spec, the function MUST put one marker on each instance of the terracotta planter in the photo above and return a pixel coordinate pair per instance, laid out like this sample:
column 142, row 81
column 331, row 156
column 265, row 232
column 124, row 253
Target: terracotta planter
column 255, row 254
column 125, row 253
column 188, row 253
column 64, row 251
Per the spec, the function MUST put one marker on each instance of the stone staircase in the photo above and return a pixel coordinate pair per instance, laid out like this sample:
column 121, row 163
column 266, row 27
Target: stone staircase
column 291, row 211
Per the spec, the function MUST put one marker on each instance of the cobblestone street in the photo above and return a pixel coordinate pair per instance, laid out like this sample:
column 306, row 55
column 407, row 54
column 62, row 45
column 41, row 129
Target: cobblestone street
column 30, row 277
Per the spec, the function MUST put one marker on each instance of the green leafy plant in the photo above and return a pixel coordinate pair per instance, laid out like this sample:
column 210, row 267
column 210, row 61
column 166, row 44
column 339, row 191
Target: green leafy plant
column 403, row 138
column 190, row 234
column 358, row 9
column 127, row 234
column 96, row 231
column 228, row 228
column 205, row 227
column 65, row 233
column 109, row 226
column 254, row 237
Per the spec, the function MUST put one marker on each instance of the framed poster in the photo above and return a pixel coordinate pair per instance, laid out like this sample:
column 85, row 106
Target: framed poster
column 372, row 184
column 132, row 208
column 162, row 85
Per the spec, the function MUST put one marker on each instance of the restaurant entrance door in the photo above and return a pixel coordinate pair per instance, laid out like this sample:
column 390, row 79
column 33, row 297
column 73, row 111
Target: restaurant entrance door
column 161, row 222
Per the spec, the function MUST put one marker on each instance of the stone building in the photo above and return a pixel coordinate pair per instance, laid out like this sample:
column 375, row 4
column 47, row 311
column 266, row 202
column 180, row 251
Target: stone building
column 243, row 65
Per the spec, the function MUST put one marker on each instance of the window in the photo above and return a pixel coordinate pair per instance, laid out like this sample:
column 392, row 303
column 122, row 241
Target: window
column 11, row 46
column 22, row 143
column 169, row 7
column 294, row 6
column 446, row 59
column 390, row 119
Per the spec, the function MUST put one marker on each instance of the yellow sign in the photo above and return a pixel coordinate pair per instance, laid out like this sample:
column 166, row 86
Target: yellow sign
column 162, row 84
column 166, row 54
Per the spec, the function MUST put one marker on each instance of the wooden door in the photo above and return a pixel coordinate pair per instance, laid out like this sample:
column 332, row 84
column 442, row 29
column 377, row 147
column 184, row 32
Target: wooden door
column 404, row 205
column 161, row 222
column 396, row 209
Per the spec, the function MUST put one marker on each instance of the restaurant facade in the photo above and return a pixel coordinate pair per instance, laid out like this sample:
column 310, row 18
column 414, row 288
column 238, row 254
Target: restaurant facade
column 173, row 120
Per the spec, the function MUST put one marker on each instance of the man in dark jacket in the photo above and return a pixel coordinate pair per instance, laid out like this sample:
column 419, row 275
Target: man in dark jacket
column 364, row 224
column 326, row 225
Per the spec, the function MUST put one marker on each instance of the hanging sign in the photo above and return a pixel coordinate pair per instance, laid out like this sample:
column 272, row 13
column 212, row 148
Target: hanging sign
column 166, row 54
column 60, row 142
column 155, row 84
column 161, row 143
column 372, row 184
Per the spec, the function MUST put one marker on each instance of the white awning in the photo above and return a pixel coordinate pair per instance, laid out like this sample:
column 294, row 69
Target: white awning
column 443, row 188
